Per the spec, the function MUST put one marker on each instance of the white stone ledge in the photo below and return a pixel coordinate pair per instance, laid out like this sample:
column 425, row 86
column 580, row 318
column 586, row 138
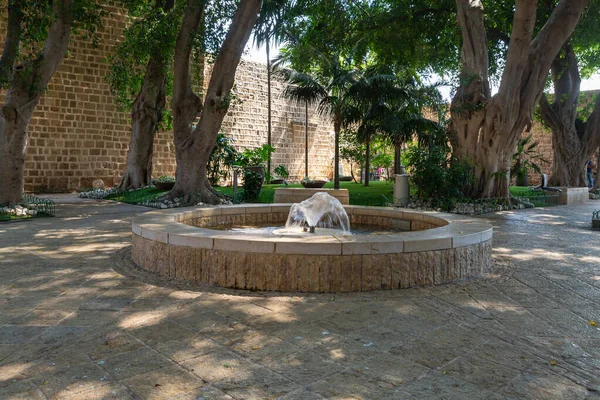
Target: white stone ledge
column 167, row 226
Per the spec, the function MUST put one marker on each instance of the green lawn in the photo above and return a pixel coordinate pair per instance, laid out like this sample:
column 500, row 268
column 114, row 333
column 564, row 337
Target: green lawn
column 538, row 198
column 377, row 194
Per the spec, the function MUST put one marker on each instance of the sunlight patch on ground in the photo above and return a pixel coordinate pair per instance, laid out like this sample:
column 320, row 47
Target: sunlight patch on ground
column 590, row 259
column 93, row 247
column 142, row 319
column 184, row 295
column 540, row 253
column 9, row 372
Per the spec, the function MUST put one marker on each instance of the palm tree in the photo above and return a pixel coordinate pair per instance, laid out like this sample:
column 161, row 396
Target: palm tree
column 405, row 120
column 370, row 107
column 328, row 88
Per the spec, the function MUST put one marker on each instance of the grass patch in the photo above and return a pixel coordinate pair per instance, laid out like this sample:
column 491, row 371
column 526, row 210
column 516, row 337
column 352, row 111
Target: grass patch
column 378, row 193
column 137, row 196
column 539, row 198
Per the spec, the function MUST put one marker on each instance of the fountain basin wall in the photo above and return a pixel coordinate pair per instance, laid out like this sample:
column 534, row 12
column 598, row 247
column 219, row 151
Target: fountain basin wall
column 439, row 248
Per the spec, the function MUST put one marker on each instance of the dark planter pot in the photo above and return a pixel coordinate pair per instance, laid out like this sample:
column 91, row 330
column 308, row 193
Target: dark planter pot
column 260, row 170
column 522, row 180
column 164, row 185
column 313, row 184
column 277, row 181
column 345, row 178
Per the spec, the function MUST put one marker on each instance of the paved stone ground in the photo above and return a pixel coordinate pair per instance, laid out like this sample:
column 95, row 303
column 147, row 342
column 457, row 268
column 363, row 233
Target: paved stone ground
column 78, row 321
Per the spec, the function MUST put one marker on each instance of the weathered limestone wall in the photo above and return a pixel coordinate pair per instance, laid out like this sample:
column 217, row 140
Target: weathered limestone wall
column 78, row 134
column 312, row 273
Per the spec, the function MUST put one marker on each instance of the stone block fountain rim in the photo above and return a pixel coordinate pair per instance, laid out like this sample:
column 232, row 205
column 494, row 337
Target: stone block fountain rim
column 440, row 248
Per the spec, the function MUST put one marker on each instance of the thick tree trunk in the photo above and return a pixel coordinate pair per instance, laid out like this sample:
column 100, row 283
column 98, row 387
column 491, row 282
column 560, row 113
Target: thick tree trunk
column 14, row 122
column 26, row 85
column 146, row 115
column 397, row 156
column 193, row 146
column 485, row 129
column 337, row 127
column 367, row 161
column 573, row 141
column 597, row 181
column 268, row 105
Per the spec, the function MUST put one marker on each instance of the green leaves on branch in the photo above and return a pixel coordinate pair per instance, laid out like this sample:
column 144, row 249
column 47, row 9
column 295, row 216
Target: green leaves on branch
column 154, row 33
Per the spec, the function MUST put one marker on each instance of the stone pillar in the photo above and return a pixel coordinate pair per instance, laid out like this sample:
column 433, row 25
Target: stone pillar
column 401, row 190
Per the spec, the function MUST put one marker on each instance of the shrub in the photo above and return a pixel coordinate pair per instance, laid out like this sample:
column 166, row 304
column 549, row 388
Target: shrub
column 252, row 184
column 436, row 174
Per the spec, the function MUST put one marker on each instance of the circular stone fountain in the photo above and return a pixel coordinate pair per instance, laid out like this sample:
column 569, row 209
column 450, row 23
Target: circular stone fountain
column 213, row 246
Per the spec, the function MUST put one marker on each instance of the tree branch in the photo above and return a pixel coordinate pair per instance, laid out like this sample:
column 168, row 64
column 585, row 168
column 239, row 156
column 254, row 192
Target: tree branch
column 231, row 51
column 14, row 30
column 545, row 47
column 182, row 85
column 518, row 49
column 474, row 52
column 548, row 114
column 591, row 136
column 57, row 42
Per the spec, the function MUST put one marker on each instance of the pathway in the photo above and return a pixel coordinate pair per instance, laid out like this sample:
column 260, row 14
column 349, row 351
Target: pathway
column 78, row 321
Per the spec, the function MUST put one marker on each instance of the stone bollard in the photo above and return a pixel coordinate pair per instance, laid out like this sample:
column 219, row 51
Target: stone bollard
column 401, row 190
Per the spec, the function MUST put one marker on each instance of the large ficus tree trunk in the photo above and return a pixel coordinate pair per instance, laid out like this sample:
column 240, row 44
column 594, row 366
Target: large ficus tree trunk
column 26, row 82
column 146, row 116
column 194, row 144
column 574, row 140
column 485, row 128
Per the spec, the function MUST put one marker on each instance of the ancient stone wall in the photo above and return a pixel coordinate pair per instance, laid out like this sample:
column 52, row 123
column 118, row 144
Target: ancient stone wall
column 78, row 134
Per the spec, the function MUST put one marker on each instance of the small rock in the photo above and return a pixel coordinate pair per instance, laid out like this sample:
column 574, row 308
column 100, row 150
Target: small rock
column 162, row 205
column 98, row 184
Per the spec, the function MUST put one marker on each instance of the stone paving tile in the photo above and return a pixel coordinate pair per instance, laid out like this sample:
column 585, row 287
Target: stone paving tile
column 204, row 393
column 21, row 390
column 164, row 383
column 131, row 363
column 17, row 334
column 160, row 332
column 302, row 394
column 542, row 383
column 391, row 368
column 65, row 309
column 41, row 317
column 306, row 366
column 361, row 386
column 442, row 386
column 256, row 384
column 71, row 381
column 180, row 350
column 102, row 346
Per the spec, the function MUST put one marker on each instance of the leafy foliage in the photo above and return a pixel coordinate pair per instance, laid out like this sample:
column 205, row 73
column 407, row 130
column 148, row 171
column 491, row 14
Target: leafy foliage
column 436, row 173
column 154, row 31
column 32, row 20
column 282, row 171
column 254, row 157
column 526, row 157
column 252, row 184
column 223, row 157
